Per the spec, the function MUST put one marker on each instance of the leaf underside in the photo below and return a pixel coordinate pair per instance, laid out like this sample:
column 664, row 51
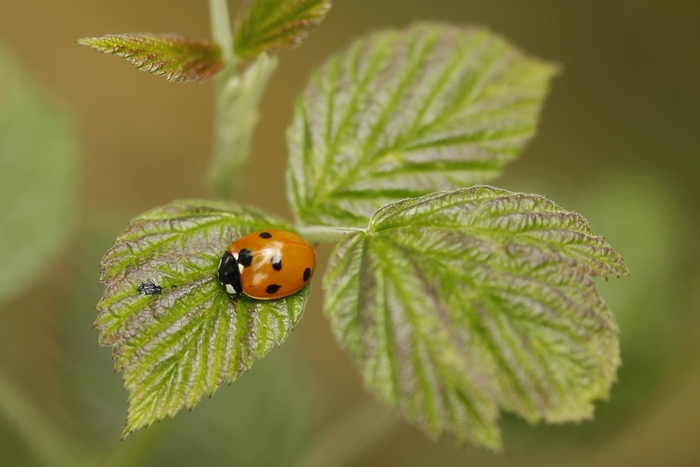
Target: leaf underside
column 177, row 58
column 266, row 25
column 405, row 113
column 39, row 178
column 457, row 305
column 175, row 332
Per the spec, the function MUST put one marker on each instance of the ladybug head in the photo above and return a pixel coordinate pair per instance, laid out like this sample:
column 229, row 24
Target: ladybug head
column 230, row 274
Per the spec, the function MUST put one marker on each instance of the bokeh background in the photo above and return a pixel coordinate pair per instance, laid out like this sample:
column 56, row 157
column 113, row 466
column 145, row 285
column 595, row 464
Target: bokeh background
column 619, row 142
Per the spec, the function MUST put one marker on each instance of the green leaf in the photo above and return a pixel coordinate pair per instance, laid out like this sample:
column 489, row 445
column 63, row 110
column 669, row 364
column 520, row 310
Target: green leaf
column 265, row 25
column 653, row 341
column 39, row 174
column 236, row 427
column 405, row 113
column 457, row 304
column 177, row 58
column 237, row 101
column 186, row 338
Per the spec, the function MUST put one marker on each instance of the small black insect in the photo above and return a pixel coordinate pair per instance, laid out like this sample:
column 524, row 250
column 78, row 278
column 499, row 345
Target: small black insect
column 149, row 288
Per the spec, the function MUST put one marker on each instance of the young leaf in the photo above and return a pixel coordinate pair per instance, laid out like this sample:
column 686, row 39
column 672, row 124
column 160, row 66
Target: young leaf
column 177, row 58
column 457, row 304
column 39, row 175
column 274, row 24
column 405, row 113
column 176, row 334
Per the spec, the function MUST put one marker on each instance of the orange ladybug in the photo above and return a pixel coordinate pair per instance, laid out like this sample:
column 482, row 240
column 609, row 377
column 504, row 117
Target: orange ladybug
column 267, row 264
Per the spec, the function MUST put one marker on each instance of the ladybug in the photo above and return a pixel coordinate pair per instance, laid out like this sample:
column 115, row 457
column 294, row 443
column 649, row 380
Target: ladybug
column 267, row 264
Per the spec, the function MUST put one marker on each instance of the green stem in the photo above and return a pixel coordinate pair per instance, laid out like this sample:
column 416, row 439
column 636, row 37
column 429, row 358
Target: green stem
column 237, row 101
column 350, row 437
column 40, row 435
column 221, row 28
column 325, row 234
column 237, row 97
column 223, row 185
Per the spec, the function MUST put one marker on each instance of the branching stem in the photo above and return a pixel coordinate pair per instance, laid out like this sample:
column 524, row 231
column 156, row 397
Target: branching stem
column 325, row 234
column 236, row 101
column 221, row 29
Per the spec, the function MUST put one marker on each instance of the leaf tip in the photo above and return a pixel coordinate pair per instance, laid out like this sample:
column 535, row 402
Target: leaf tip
column 96, row 43
column 127, row 431
column 177, row 58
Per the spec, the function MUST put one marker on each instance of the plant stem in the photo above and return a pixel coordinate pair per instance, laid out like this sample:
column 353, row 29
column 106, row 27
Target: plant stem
column 237, row 101
column 221, row 28
column 350, row 436
column 237, row 97
column 40, row 435
column 222, row 185
column 325, row 234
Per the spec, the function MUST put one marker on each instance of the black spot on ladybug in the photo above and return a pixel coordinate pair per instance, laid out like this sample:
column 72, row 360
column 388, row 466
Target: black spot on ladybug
column 149, row 288
column 272, row 288
column 245, row 257
column 307, row 274
column 276, row 263
column 265, row 235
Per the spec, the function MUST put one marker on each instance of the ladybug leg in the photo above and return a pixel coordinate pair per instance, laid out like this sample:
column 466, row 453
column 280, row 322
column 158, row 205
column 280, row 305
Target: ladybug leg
column 229, row 274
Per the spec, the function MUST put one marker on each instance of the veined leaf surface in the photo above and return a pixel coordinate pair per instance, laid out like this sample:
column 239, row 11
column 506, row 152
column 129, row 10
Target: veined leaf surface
column 177, row 58
column 405, row 113
column 266, row 25
column 459, row 304
column 176, row 334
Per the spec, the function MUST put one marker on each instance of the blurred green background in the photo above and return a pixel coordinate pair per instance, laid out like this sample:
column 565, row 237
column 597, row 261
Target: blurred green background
column 619, row 142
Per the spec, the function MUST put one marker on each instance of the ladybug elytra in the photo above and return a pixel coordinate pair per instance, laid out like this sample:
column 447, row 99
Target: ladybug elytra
column 267, row 264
